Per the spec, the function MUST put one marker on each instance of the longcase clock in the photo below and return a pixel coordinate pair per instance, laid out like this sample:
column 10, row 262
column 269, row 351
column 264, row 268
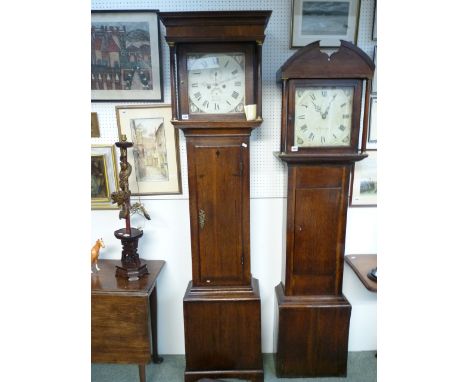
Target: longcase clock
column 321, row 112
column 215, row 60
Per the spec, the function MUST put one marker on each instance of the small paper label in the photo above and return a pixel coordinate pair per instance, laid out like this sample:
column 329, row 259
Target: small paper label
column 294, row 148
column 184, row 116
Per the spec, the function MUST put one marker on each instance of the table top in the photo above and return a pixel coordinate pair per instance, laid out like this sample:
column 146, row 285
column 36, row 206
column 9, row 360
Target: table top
column 361, row 265
column 105, row 282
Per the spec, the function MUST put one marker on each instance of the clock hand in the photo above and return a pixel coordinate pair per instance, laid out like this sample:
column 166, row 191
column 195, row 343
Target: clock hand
column 317, row 108
column 324, row 115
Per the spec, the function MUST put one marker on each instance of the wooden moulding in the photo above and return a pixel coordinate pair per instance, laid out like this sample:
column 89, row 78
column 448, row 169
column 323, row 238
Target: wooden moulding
column 312, row 339
column 223, row 333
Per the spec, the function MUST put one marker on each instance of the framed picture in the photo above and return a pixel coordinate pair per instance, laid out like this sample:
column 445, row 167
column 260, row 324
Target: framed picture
column 125, row 56
column 104, row 179
column 372, row 136
column 364, row 182
column 374, row 24
column 328, row 21
column 154, row 156
column 374, row 80
column 94, row 126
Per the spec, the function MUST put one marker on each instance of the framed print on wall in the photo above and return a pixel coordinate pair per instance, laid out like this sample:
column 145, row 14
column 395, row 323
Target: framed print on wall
column 374, row 24
column 372, row 135
column 95, row 125
column 328, row 21
column 125, row 56
column 364, row 182
column 154, row 156
column 104, row 179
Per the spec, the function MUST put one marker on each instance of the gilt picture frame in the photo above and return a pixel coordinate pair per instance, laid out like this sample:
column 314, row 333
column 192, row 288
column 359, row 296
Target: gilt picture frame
column 364, row 182
column 95, row 133
column 126, row 56
column 328, row 21
column 104, row 180
column 154, row 156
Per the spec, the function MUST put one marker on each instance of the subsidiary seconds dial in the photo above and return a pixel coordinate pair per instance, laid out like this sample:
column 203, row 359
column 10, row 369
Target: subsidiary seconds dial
column 216, row 83
column 323, row 116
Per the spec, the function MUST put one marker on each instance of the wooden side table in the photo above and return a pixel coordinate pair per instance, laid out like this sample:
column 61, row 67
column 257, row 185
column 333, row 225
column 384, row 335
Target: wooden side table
column 361, row 265
column 124, row 317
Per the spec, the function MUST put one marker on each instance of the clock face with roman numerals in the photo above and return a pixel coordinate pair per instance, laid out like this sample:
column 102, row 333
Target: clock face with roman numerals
column 216, row 83
column 323, row 116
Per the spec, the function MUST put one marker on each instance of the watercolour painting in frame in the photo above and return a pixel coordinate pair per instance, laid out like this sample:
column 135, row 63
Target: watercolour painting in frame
column 328, row 21
column 154, row 156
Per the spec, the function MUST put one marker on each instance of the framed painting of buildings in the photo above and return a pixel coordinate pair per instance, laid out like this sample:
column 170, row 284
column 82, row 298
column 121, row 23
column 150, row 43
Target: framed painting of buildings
column 154, row 156
column 328, row 21
column 125, row 56
column 104, row 179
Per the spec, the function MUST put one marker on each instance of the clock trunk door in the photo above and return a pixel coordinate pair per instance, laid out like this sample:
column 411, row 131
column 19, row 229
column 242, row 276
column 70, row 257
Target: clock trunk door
column 219, row 209
column 317, row 227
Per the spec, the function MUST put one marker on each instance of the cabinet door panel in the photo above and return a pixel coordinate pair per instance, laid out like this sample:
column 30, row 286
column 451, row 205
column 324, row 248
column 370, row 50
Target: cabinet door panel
column 219, row 202
column 316, row 228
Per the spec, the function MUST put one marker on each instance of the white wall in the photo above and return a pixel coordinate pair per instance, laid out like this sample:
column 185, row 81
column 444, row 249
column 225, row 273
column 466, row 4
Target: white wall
column 167, row 235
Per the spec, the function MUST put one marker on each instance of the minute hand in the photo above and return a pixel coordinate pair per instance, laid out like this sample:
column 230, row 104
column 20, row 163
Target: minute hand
column 324, row 115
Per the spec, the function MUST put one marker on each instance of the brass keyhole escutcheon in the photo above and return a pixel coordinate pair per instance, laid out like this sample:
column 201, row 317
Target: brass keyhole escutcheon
column 201, row 218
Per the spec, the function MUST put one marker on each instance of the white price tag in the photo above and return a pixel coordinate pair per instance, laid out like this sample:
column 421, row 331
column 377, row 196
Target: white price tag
column 184, row 116
column 294, row 148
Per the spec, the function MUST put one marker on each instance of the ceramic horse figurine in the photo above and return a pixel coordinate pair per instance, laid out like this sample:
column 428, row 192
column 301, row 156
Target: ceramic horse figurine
column 95, row 253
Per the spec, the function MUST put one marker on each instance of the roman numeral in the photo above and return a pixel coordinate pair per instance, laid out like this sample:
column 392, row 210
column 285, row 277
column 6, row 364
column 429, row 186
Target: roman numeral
column 322, row 139
column 345, row 139
column 303, row 127
column 197, row 95
column 345, row 116
column 216, row 106
column 313, row 97
column 324, row 93
column 342, row 128
column 304, row 106
column 311, row 136
column 235, row 94
column 343, row 105
column 206, row 104
column 238, row 83
column 229, row 103
column 197, row 72
column 301, row 116
column 195, row 85
column 234, row 72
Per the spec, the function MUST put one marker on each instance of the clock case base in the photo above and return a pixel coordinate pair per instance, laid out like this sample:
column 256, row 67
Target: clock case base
column 223, row 332
column 312, row 335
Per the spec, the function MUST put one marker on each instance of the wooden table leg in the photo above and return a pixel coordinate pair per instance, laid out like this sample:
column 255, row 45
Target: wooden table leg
column 154, row 326
column 142, row 372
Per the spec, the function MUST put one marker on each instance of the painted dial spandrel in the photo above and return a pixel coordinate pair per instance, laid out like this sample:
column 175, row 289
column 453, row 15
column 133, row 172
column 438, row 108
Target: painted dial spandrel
column 323, row 116
column 216, row 83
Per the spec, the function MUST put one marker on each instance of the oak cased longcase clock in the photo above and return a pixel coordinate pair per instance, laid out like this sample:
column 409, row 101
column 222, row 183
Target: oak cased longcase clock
column 322, row 99
column 215, row 61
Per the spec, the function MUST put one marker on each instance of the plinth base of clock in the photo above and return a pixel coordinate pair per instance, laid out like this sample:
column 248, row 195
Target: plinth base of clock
column 132, row 267
column 312, row 337
column 223, row 333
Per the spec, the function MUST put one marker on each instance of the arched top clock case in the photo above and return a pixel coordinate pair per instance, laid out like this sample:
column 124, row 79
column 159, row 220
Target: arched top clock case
column 322, row 102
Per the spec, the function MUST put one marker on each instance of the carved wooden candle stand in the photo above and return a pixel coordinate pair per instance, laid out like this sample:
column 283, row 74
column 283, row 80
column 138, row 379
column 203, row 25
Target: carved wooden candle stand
column 132, row 268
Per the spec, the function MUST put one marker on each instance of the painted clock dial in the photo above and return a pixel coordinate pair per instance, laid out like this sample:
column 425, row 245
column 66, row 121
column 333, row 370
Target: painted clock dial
column 216, row 82
column 323, row 116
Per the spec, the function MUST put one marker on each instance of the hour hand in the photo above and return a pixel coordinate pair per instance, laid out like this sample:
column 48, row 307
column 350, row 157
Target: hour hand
column 317, row 108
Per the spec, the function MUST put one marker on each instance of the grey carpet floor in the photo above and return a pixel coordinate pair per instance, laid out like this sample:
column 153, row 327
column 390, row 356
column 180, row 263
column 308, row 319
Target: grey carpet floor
column 362, row 367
